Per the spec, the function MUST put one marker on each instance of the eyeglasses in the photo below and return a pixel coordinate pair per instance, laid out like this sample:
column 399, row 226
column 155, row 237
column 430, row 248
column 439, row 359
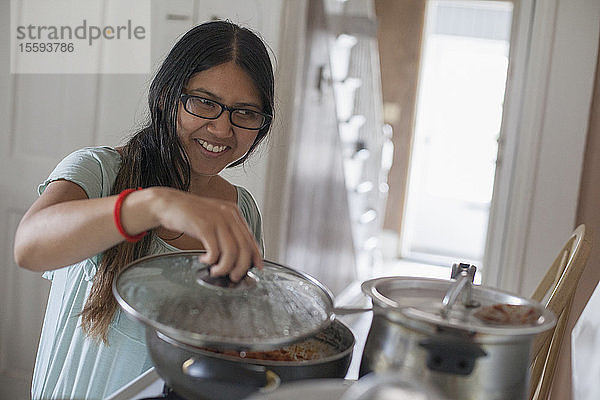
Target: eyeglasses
column 210, row 109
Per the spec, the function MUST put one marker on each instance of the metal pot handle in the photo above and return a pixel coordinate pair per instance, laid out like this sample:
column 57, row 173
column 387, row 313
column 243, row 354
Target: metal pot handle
column 243, row 374
column 464, row 274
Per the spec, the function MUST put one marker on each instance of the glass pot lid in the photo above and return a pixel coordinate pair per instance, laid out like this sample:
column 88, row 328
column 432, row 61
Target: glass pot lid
column 174, row 294
column 490, row 311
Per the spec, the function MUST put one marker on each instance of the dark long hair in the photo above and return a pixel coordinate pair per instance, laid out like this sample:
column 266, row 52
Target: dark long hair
column 155, row 157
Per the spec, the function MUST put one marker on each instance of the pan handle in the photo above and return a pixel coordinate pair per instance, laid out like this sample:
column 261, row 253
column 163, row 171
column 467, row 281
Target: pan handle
column 350, row 310
column 243, row 374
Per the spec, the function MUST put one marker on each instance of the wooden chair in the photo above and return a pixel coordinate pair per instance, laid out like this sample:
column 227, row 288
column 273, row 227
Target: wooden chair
column 556, row 292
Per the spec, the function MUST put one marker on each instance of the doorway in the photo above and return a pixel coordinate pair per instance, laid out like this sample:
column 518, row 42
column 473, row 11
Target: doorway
column 460, row 100
column 447, row 115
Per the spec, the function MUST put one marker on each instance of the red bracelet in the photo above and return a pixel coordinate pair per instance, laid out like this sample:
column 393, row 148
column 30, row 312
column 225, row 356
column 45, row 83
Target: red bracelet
column 117, row 215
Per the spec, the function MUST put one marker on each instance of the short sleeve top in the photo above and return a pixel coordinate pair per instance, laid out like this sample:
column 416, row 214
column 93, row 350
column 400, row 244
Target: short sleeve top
column 68, row 363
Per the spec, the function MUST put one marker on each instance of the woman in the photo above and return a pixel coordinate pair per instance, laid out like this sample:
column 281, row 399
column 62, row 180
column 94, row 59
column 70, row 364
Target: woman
column 211, row 104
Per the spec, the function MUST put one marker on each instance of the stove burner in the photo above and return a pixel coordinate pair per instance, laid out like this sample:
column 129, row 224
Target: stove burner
column 167, row 394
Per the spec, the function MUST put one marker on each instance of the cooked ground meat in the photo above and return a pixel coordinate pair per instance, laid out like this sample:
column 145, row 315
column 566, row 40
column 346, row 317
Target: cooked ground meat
column 508, row 314
column 310, row 349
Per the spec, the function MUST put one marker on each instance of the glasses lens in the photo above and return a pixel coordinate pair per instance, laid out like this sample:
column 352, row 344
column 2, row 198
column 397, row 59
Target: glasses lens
column 202, row 107
column 247, row 119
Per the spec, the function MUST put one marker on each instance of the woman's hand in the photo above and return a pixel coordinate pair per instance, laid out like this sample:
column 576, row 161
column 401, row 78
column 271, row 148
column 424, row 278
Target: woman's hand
column 219, row 225
column 63, row 227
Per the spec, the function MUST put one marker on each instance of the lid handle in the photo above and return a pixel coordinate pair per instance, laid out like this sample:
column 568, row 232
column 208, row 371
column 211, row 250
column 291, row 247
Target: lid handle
column 203, row 277
column 464, row 274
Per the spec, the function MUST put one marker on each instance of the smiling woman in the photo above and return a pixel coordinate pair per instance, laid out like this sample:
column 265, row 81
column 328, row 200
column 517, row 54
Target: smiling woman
column 202, row 120
column 96, row 206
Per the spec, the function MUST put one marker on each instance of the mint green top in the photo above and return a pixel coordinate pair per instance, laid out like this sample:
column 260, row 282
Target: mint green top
column 69, row 365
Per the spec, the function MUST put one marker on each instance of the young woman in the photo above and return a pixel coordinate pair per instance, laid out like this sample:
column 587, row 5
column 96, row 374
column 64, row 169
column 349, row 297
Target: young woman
column 211, row 104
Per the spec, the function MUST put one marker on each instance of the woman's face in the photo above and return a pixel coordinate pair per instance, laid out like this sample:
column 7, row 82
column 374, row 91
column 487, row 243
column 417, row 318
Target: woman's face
column 212, row 144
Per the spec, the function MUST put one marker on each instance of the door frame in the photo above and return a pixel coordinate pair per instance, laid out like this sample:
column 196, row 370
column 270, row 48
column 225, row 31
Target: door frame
column 542, row 148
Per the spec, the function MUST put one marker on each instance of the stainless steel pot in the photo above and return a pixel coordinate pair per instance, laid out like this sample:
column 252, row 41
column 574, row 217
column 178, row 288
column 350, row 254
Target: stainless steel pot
column 435, row 331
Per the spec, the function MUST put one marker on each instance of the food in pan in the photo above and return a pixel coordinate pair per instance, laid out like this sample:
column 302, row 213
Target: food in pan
column 508, row 314
column 309, row 349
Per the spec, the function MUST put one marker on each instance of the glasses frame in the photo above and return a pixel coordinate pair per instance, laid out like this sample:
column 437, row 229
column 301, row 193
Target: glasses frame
column 184, row 99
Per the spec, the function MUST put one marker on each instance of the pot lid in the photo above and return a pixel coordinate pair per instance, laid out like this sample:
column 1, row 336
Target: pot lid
column 419, row 302
column 174, row 294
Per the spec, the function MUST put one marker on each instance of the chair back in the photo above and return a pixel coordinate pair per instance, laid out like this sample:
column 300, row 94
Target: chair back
column 556, row 292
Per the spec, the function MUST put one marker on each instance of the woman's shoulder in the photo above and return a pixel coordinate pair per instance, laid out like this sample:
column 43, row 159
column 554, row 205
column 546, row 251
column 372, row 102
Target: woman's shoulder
column 245, row 196
column 251, row 212
column 225, row 190
column 100, row 153
column 102, row 156
column 92, row 168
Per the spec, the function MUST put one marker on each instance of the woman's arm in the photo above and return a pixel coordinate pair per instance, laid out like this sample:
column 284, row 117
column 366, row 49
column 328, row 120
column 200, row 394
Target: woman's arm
column 63, row 227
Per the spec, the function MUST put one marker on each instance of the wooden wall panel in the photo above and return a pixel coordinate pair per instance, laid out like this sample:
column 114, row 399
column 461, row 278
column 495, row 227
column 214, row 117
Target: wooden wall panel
column 588, row 213
column 400, row 27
